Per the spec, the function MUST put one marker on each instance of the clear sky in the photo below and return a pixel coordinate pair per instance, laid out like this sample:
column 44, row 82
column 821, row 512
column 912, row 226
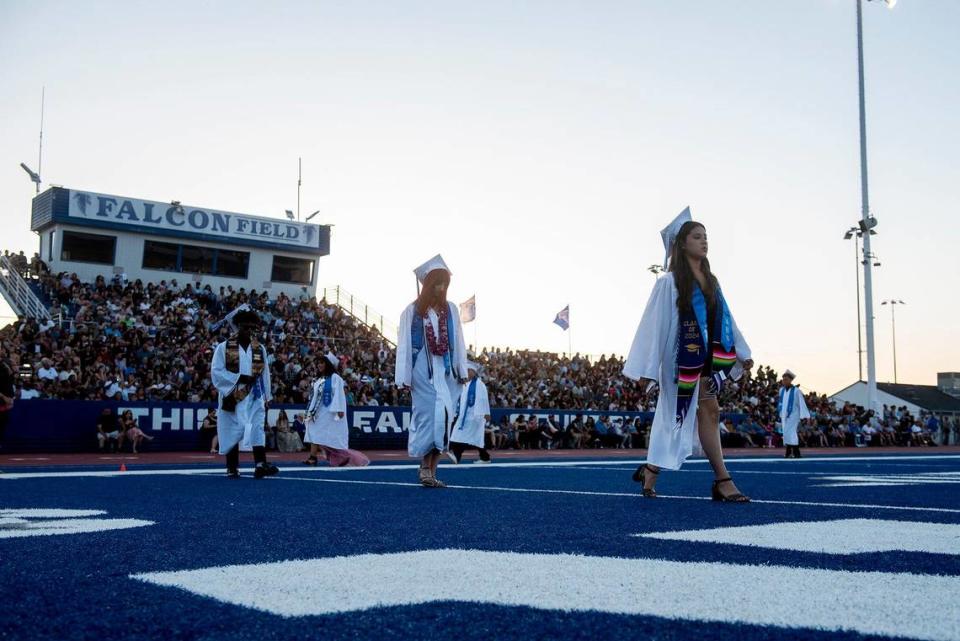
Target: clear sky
column 538, row 145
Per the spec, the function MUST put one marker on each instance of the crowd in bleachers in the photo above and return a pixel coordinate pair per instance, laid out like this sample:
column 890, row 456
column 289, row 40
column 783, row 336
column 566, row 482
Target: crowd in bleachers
column 134, row 341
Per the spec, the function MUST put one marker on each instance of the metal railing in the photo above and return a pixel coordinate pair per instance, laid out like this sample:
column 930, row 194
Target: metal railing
column 359, row 310
column 22, row 300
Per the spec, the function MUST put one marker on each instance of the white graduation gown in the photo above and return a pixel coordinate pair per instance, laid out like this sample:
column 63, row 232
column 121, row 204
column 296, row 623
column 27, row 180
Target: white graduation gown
column 324, row 427
column 799, row 412
column 245, row 425
column 653, row 356
column 471, row 421
column 434, row 401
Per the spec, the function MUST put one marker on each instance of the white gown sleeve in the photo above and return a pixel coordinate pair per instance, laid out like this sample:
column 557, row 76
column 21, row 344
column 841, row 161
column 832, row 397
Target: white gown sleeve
column 652, row 339
column 460, row 358
column 482, row 404
column 404, row 365
column 339, row 402
column 802, row 405
column 222, row 379
column 744, row 352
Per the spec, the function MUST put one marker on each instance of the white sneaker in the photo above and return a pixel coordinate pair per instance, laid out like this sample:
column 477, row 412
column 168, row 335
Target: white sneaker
column 480, row 461
column 452, row 457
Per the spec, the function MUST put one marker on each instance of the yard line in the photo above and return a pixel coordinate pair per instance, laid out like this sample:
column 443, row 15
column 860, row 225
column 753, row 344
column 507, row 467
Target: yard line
column 10, row 476
column 634, row 495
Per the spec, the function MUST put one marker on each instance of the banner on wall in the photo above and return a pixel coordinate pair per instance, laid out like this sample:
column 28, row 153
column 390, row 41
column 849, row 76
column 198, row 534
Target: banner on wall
column 71, row 426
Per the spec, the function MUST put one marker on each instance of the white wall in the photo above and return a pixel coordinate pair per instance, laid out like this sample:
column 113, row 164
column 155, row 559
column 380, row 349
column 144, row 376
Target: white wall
column 129, row 256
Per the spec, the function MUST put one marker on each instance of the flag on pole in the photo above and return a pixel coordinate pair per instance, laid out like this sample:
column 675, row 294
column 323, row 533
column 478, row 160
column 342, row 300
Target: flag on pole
column 563, row 318
column 468, row 309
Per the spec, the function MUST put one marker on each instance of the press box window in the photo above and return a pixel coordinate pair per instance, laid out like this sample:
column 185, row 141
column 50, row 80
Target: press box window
column 232, row 263
column 196, row 260
column 162, row 256
column 292, row 270
column 87, row 248
column 193, row 259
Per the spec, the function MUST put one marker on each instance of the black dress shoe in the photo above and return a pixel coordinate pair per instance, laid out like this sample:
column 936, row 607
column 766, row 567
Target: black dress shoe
column 233, row 474
column 267, row 469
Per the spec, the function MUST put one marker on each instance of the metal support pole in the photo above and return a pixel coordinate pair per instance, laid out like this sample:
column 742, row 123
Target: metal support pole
column 865, row 215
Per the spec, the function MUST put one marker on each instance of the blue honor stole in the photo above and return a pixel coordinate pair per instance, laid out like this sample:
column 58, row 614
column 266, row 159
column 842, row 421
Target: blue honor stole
column 327, row 391
column 791, row 397
column 418, row 340
column 471, row 401
column 694, row 346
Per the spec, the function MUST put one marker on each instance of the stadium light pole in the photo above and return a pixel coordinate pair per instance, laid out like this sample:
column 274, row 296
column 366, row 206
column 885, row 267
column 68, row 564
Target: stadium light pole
column 867, row 221
column 893, row 321
column 855, row 234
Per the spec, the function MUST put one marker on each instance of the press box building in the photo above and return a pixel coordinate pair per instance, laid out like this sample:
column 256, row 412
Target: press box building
column 94, row 234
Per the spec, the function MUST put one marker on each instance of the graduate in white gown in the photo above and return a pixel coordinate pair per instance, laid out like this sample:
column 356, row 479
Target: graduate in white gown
column 472, row 417
column 432, row 363
column 792, row 409
column 327, row 428
column 241, row 373
column 689, row 344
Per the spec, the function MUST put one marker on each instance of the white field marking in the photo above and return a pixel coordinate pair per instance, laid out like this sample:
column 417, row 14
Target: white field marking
column 868, row 480
column 47, row 513
column 842, row 536
column 31, row 458
column 19, row 523
column 764, row 472
column 633, row 495
column 686, row 591
column 413, row 466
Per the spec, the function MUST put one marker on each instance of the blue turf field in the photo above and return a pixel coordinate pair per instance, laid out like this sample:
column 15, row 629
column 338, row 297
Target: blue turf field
column 870, row 549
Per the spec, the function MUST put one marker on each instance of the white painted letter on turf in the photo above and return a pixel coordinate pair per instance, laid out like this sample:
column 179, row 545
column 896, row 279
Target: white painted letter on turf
column 569, row 582
column 44, row 522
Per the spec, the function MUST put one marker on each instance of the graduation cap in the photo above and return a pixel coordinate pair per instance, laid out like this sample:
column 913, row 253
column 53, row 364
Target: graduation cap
column 229, row 318
column 433, row 264
column 245, row 317
column 790, row 374
column 670, row 232
column 333, row 359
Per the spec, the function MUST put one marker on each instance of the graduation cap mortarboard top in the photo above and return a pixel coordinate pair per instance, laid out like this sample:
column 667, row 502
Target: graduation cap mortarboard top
column 230, row 318
column 333, row 359
column 474, row 365
column 433, row 264
column 790, row 374
column 670, row 232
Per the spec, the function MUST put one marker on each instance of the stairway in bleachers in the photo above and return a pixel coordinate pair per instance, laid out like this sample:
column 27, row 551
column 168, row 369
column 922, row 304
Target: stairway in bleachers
column 19, row 294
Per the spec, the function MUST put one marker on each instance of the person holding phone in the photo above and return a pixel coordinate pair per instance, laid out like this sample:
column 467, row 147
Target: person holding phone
column 689, row 344
column 241, row 374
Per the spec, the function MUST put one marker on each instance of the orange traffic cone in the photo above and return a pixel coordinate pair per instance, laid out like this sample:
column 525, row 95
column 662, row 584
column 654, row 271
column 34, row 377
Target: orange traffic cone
column 123, row 467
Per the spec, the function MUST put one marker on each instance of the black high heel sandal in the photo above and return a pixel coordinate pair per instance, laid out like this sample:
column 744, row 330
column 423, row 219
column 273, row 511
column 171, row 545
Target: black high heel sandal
column 640, row 476
column 733, row 498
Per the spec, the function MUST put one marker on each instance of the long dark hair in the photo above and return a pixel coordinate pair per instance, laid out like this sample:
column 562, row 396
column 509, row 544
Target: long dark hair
column 329, row 368
column 428, row 296
column 683, row 273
